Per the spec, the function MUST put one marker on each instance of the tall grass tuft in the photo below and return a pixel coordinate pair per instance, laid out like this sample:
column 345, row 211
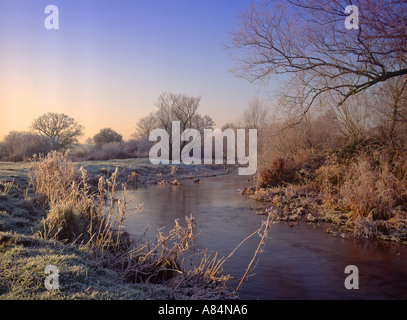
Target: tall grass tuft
column 77, row 215
column 371, row 185
column 372, row 191
column 53, row 176
column 6, row 187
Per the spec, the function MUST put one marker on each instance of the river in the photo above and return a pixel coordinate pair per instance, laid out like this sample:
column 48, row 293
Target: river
column 299, row 261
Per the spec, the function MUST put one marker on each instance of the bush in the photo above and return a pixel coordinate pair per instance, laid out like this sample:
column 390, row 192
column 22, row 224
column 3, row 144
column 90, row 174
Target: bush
column 137, row 148
column 284, row 140
column 116, row 150
column 105, row 136
column 108, row 151
column 20, row 146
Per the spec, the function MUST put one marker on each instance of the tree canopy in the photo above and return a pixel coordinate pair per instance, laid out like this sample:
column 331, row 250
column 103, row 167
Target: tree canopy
column 307, row 41
column 61, row 129
column 107, row 135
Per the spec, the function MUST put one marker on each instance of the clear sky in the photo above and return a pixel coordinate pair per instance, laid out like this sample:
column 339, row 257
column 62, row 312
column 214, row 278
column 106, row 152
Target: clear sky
column 111, row 59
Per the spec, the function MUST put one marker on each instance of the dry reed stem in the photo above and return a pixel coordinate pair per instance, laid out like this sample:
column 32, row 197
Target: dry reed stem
column 266, row 226
column 8, row 186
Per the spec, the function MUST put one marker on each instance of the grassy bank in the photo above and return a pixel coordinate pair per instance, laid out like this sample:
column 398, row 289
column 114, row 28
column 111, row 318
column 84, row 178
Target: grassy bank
column 361, row 194
column 72, row 219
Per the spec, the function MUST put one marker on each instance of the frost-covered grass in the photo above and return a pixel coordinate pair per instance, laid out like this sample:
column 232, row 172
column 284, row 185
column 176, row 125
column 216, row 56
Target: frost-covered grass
column 140, row 172
column 90, row 269
column 22, row 273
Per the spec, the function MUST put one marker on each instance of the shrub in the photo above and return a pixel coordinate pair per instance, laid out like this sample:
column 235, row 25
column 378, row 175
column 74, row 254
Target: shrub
column 108, row 151
column 137, row 148
column 105, row 136
column 117, row 150
column 19, row 146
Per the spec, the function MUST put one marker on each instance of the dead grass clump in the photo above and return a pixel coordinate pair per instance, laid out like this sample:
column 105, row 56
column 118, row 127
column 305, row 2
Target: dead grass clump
column 364, row 185
column 158, row 262
column 52, row 176
column 296, row 169
column 282, row 172
column 6, row 187
column 398, row 165
column 365, row 228
column 331, row 174
column 329, row 178
column 372, row 184
column 75, row 214
column 96, row 221
column 370, row 191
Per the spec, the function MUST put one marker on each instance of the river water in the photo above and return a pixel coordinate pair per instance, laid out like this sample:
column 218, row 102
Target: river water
column 299, row 261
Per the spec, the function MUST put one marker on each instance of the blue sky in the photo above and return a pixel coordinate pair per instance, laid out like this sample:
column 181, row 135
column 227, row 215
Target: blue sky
column 110, row 60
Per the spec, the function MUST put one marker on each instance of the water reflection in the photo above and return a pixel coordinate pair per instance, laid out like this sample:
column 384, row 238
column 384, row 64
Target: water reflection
column 300, row 262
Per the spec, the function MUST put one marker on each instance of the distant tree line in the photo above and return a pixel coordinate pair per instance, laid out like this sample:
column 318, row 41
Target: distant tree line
column 58, row 131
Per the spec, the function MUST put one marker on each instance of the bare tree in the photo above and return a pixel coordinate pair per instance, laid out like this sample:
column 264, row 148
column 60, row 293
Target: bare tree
column 145, row 125
column 307, row 40
column 184, row 109
column 230, row 125
column 256, row 115
column 177, row 107
column 61, row 129
column 174, row 107
column 354, row 118
column 390, row 104
column 165, row 104
column 202, row 122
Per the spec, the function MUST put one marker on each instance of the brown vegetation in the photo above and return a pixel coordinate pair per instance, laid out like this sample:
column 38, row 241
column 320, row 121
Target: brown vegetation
column 363, row 192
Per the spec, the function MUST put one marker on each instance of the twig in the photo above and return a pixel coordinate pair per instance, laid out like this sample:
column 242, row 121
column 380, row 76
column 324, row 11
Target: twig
column 262, row 242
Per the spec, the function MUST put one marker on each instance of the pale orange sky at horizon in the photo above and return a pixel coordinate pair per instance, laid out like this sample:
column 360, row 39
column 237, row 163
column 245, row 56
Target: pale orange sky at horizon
column 18, row 119
column 106, row 65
